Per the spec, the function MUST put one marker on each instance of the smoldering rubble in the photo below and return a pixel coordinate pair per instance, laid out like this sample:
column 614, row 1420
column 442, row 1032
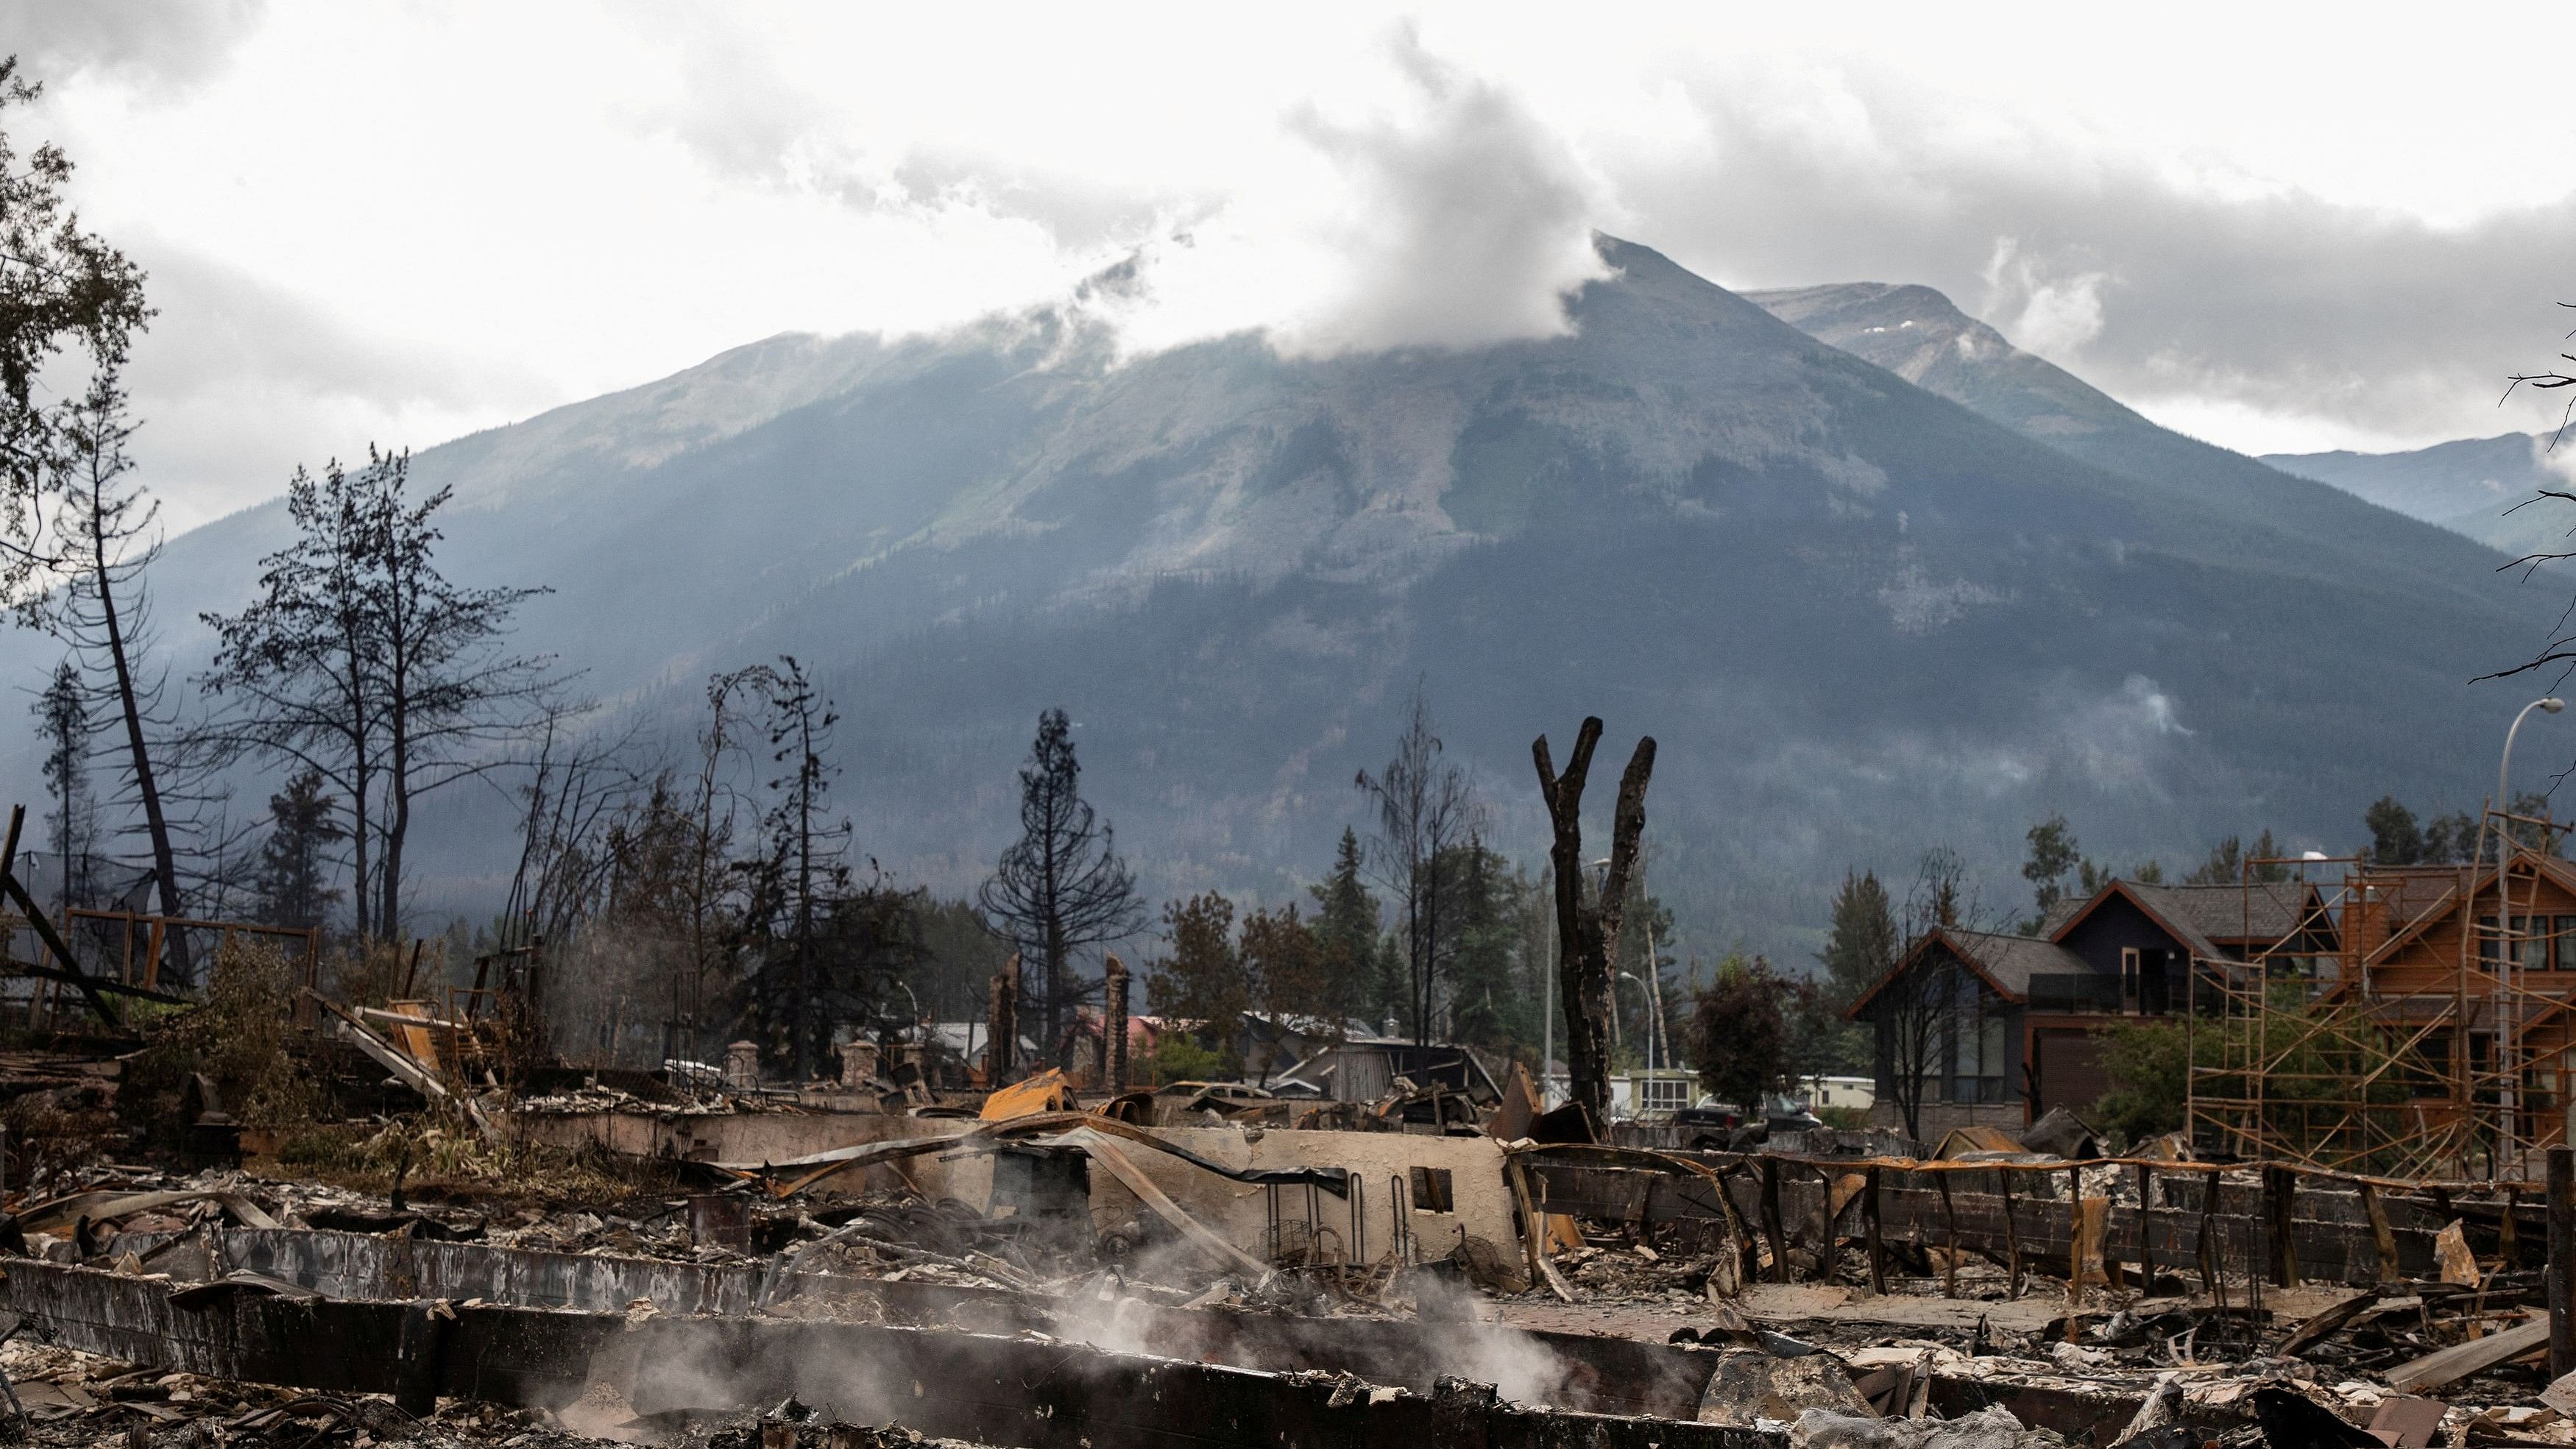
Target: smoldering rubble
column 684, row 1258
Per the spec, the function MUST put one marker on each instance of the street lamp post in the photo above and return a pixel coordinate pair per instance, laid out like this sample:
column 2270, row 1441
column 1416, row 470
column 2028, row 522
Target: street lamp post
column 1640, row 983
column 2508, row 1093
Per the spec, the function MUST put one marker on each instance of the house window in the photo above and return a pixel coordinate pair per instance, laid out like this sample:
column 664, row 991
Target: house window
column 2129, row 974
column 2490, row 948
column 1663, row 1094
column 1977, row 1051
column 2531, row 943
column 2436, row 1079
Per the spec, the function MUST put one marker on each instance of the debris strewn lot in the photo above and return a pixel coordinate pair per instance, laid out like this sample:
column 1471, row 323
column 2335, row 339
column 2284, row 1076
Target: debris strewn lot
column 681, row 1261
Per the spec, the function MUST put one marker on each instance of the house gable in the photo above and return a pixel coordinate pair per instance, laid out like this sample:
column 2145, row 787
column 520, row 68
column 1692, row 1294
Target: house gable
column 2115, row 922
column 2423, row 948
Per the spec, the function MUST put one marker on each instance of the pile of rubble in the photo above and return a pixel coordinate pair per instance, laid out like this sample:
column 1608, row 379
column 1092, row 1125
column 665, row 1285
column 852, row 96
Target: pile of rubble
column 1019, row 1271
column 61, row 1397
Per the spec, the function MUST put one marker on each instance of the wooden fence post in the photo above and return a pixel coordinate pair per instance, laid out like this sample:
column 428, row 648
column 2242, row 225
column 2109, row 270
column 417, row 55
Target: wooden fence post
column 2074, row 1244
column 2012, row 1235
column 1825, row 1215
column 2382, row 1238
column 1772, row 1231
column 1869, row 1215
column 1950, row 1239
column 2146, row 1229
column 1748, row 1259
column 2279, row 1186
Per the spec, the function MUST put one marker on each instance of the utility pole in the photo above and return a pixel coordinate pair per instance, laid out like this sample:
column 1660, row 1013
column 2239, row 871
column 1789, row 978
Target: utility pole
column 1655, row 996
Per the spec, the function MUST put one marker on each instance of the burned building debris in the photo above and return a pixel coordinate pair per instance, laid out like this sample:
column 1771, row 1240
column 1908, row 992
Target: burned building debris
column 507, row 1250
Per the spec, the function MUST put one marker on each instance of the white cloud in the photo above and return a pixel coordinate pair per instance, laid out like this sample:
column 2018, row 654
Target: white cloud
column 443, row 217
column 159, row 43
column 1446, row 218
column 2048, row 312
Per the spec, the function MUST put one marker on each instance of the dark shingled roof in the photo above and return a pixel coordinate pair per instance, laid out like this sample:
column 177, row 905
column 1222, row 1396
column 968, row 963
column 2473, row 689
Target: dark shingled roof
column 2010, row 961
column 2264, row 911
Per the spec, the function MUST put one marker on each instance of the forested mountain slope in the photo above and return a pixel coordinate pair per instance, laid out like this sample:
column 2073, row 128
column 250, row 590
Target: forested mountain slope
column 1867, row 602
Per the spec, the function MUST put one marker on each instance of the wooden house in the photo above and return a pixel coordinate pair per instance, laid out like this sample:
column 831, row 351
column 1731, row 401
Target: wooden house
column 2469, row 985
column 2020, row 1017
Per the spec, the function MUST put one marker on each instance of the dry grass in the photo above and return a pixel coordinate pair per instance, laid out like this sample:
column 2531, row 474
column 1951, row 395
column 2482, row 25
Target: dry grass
column 447, row 1161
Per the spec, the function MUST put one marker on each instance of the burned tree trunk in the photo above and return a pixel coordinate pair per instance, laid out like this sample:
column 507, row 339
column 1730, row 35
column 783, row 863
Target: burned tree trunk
column 1587, row 933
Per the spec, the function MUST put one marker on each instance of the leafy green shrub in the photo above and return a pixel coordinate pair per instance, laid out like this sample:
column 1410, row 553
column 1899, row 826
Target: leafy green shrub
column 1179, row 1058
column 237, row 1038
column 2149, row 1069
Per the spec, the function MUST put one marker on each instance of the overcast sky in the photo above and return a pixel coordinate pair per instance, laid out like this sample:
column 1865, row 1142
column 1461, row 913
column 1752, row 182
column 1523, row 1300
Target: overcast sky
column 399, row 222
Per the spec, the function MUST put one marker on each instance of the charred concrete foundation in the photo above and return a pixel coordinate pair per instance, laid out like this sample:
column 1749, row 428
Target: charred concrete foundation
column 577, row 1303
column 1563, row 1370
column 1033, row 1391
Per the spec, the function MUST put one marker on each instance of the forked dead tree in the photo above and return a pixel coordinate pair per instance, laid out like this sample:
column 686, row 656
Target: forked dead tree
column 1587, row 932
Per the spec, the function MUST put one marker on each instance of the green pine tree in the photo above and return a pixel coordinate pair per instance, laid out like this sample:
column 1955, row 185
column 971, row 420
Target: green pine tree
column 1346, row 934
column 1862, row 943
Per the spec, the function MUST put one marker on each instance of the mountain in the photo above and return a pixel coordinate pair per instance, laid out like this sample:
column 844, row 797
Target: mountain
column 1866, row 606
column 1916, row 333
column 2470, row 486
column 1919, row 335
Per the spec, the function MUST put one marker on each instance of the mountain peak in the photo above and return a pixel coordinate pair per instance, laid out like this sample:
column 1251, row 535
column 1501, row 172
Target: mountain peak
column 1922, row 336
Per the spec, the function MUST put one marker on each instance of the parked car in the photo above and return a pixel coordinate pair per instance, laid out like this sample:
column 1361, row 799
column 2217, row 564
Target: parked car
column 1711, row 1126
column 1790, row 1117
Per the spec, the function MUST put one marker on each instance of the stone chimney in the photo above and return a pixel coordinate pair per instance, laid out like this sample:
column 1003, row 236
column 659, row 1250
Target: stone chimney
column 742, row 1066
column 1113, row 1027
column 1002, row 1026
column 859, row 1065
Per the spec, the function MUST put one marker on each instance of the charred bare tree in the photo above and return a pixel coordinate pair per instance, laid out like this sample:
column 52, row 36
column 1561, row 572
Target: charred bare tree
column 105, row 521
column 1917, row 1011
column 297, row 668
column 799, row 896
column 576, row 797
column 1587, row 931
column 360, row 660
column 1914, row 1012
column 2560, row 652
column 1061, row 886
column 1426, row 809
